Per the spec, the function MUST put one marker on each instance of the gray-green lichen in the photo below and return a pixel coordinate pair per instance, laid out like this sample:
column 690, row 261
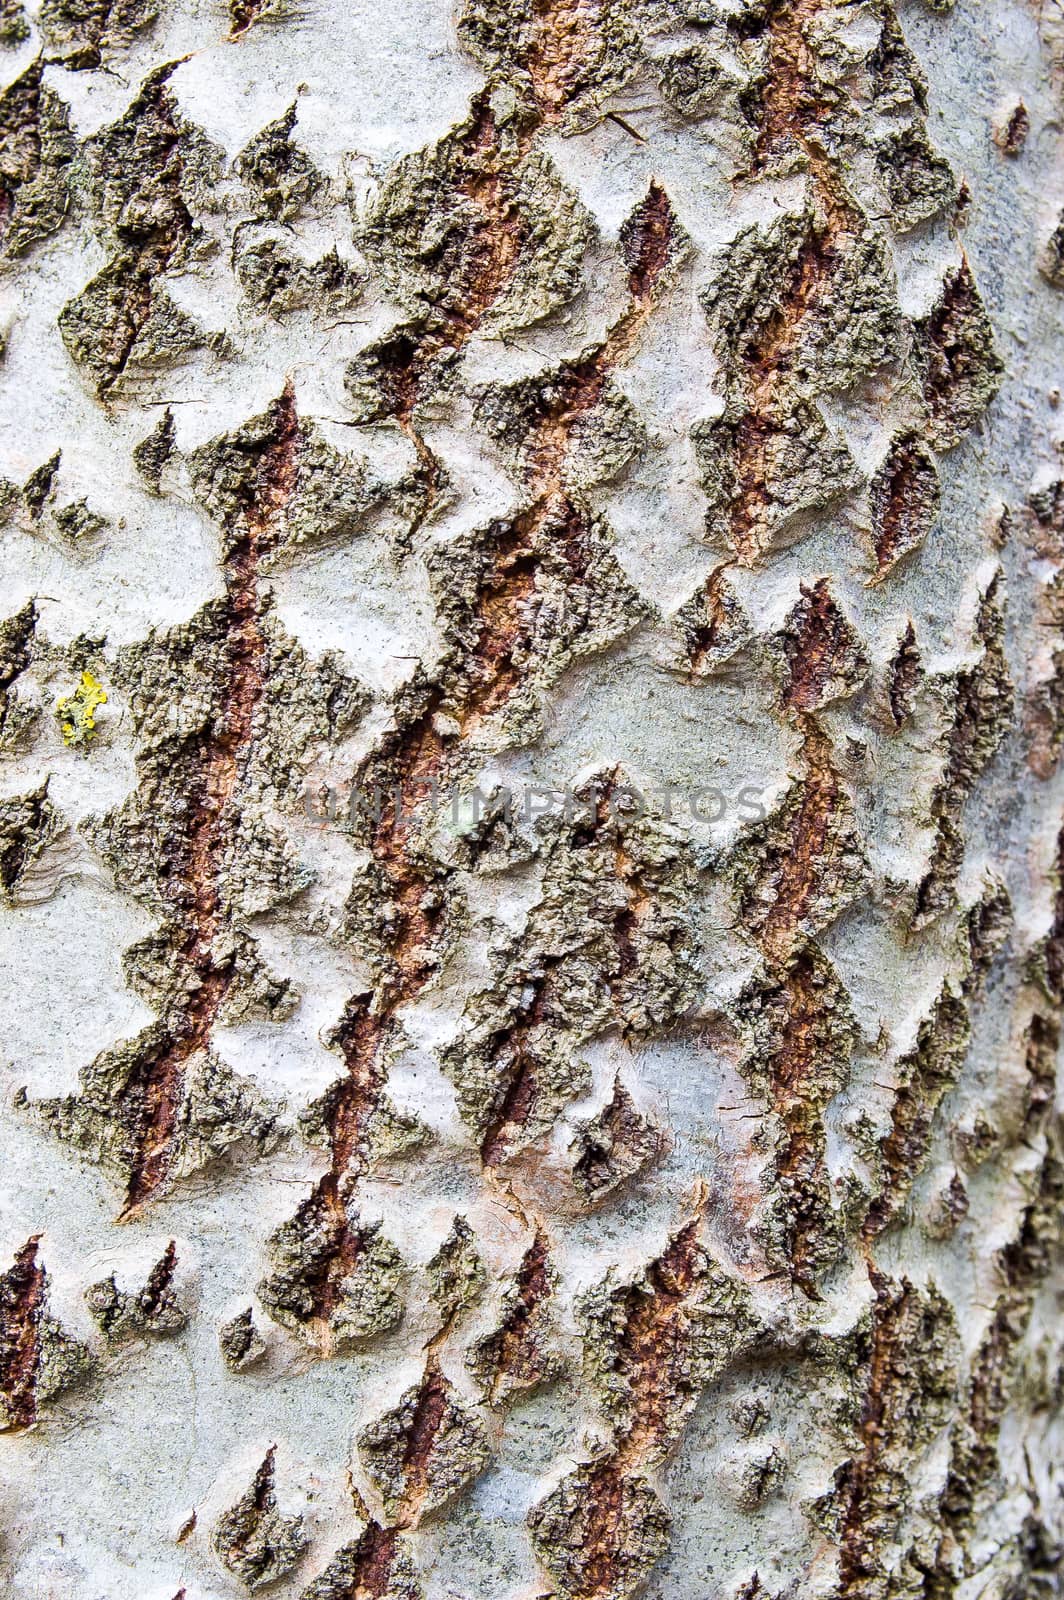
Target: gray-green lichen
column 178, row 683
column 1000, row 1378
column 762, row 477
column 40, row 487
column 75, row 525
column 700, row 83
column 763, row 316
column 14, row 24
column 902, row 1363
column 254, row 993
column 897, row 79
column 63, row 1361
column 986, row 930
column 799, row 1036
column 387, row 1133
column 520, row 1353
column 78, row 525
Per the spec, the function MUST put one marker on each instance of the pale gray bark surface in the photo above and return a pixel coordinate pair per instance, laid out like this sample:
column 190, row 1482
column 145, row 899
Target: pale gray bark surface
column 585, row 395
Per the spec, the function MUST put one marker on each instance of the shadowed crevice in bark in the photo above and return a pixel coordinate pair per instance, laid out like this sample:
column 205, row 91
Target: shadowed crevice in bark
column 37, row 152
column 423, row 1451
column 981, row 703
column 1047, row 958
column 481, row 170
column 615, row 1146
column 810, row 859
column 799, row 871
column 365, row 1570
column 429, row 1410
column 243, row 14
column 823, row 654
column 80, row 32
column 156, row 1107
column 497, row 635
column 519, row 1095
column 715, row 625
column 961, row 370
column 903, row 677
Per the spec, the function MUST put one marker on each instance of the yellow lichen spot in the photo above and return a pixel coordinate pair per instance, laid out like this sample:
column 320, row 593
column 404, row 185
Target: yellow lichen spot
column 77, row 711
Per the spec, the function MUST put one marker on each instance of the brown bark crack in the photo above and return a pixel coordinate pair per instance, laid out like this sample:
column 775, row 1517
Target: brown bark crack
column 22, row 1297
column 193, row 880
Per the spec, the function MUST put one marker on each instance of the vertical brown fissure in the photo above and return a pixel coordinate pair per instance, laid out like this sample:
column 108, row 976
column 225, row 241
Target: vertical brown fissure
column 194, row 882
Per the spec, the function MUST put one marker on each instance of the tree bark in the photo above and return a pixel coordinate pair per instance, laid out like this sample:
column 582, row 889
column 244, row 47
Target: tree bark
column 531, row 822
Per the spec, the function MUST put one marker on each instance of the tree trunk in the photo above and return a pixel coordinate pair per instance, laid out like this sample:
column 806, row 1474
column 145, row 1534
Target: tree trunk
column 531, row 703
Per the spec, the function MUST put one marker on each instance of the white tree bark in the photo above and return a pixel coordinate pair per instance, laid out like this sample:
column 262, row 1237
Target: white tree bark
column 531, row 823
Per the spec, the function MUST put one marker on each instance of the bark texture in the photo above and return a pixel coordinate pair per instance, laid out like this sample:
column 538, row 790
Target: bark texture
column 531, row 821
